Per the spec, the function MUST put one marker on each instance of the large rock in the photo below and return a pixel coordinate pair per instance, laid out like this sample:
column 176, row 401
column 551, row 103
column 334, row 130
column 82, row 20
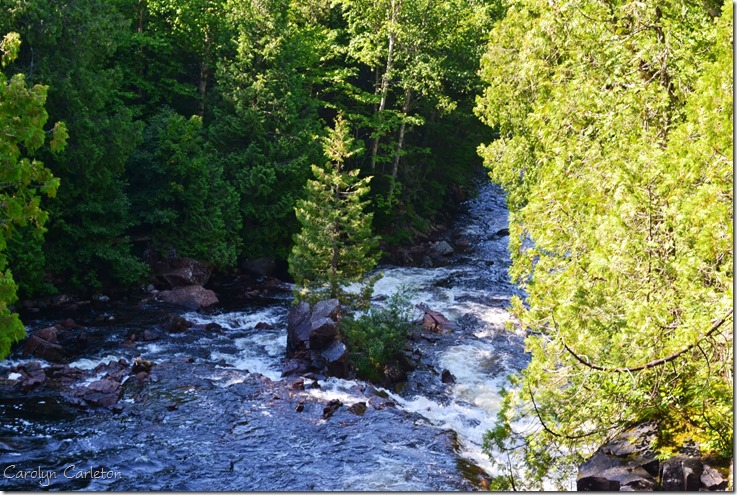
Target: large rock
column 101, row 393
column 298, row 328
column 314, row 341
column 681, row 473
column 43, row 343
column 441, row 248
column 628, row 462
column 192, row 297
column 436, row 322
column 32, row 375
column 186, row 271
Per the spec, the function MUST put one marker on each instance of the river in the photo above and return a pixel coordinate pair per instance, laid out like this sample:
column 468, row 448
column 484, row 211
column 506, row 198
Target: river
column 215, row 414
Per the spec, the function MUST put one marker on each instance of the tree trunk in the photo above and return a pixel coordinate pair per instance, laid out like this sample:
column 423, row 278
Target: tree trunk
column 386, row 78
column 400, row 141
column 204, row 75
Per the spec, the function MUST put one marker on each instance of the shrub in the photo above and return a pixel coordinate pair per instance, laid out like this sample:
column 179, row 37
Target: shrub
column 379, row 335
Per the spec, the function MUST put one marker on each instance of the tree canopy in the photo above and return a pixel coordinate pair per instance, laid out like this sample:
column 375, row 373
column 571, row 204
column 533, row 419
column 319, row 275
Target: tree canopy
column 615, row 147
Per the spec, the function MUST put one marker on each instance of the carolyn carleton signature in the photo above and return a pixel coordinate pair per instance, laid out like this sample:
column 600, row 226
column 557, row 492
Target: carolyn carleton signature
column 72, row 471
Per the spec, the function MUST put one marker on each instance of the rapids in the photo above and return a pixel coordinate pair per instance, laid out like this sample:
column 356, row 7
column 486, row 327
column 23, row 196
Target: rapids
column 215, row 414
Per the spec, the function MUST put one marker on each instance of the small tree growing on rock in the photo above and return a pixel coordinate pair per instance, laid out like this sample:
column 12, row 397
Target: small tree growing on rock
column 335, row 246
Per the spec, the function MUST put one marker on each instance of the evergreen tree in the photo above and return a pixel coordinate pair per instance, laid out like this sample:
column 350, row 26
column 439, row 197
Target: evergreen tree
column 335, row 246
column 24, row 179
column 178, row 195
column 616, row 149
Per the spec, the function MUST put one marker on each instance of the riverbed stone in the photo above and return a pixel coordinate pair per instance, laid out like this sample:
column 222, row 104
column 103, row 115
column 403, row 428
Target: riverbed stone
column 330, row 408
column 194, row 297
column 447, row 377
column 43, row 344
column 442, row 248
column 314, row 342
column 359, row 408
column 436, row 321
column 101, row 393
column 176, row 324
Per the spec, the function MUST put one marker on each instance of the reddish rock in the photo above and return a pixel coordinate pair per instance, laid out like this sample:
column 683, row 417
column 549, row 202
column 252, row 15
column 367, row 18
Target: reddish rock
column 436, row 322
column 49, row 334
column 43, row 344
column 192, row 297
column 102, row 393
column 32, row 375
column 262, row 325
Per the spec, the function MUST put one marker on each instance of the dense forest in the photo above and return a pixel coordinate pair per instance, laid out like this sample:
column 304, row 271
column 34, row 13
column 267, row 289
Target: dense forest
column 141, row 130
column 193, row 125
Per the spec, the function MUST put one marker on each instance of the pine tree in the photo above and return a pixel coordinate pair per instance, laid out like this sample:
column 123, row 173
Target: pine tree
column 335, row 246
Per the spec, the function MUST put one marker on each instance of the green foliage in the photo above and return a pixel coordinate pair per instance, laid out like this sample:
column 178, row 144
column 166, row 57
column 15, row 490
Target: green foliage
column 271, row 75
column 25, row 180
column 423, row 59
column 74, row 53
column 379, row 335
column 335, row 246
column 616, row 151
column 178, row 193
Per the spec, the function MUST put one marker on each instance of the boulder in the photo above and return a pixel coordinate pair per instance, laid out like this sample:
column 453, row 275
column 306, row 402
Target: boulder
column 628, row 462
column 681, row 473
column 192, row 297
column 359, row 408
column 323, row 332
column 32, row 375
column 298, row 327
column 713, row 480
column 442, row 248
column 314, row 341
column 329, row 308
column 336, row 357
column 330, row 408
column 612, row 473
column 176, row 324
column 185, row 272
column 436, row 322
column 141, row 365
column 447, row 377
column 625, row 463
column 101, row 393
column 43, row 344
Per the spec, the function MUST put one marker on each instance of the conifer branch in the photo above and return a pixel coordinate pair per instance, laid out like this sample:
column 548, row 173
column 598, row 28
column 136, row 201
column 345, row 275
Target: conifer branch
column 652, row 364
